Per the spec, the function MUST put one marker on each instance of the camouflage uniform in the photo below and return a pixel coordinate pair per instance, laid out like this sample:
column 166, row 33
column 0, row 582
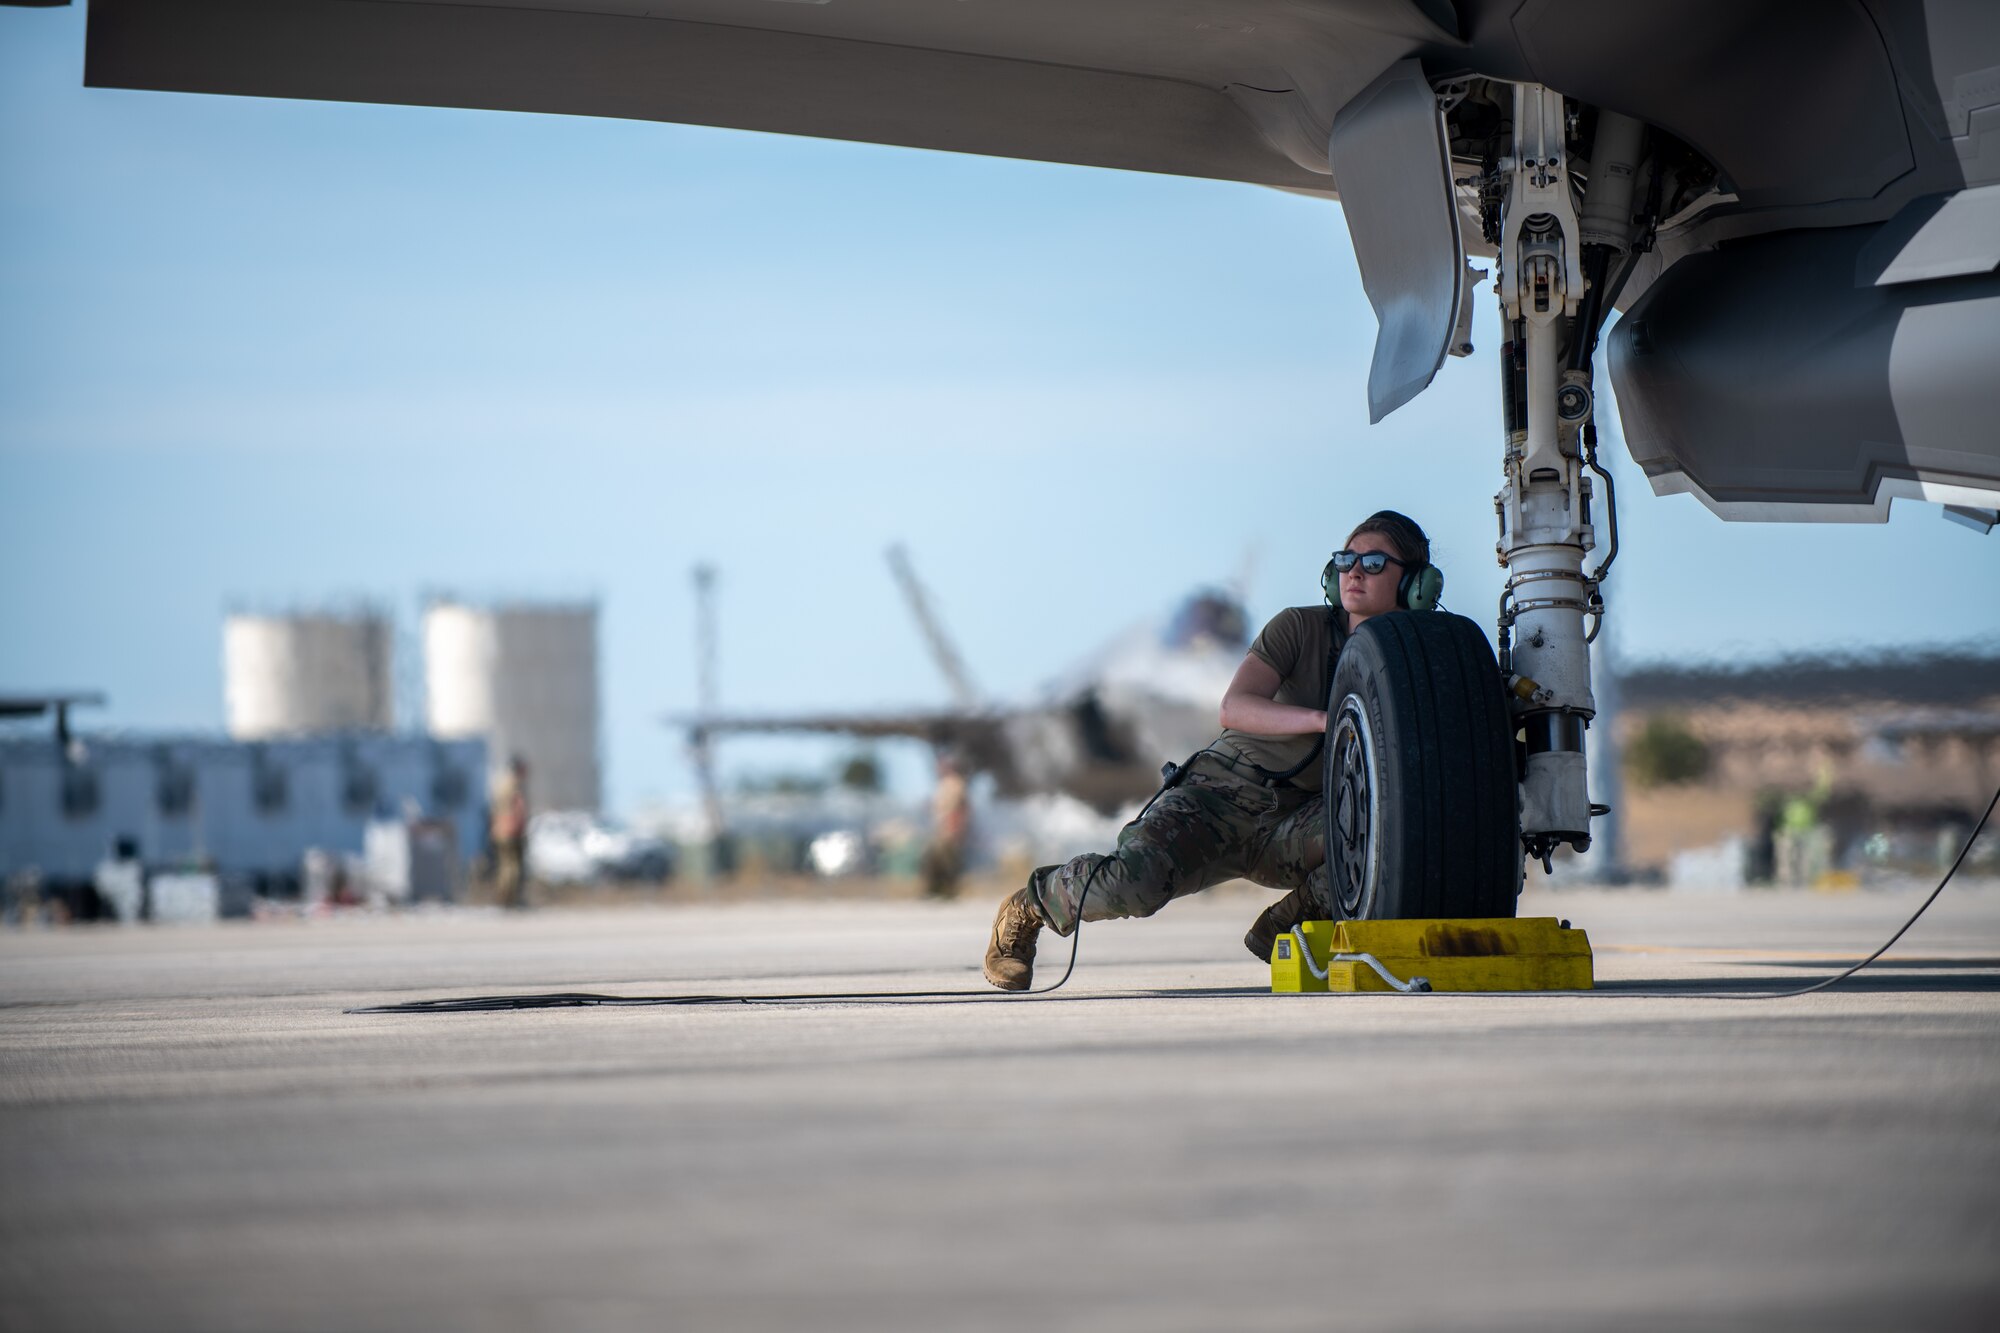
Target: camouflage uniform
column 1215, row 825
column 507, row 827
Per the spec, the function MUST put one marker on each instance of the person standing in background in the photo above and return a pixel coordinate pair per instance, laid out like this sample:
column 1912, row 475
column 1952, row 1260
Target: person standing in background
column 951, row 824
column 508, row 828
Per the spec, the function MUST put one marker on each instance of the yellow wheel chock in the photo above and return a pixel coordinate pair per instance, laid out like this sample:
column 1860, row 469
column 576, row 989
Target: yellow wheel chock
column 1477, row 954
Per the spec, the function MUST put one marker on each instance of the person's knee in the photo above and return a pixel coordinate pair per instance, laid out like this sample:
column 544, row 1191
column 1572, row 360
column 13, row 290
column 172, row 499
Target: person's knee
column 1096, row 887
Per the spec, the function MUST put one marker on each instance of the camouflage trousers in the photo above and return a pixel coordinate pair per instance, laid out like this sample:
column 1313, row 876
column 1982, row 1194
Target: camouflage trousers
column 943, row 865
column 1214, row 826
column 510, row 872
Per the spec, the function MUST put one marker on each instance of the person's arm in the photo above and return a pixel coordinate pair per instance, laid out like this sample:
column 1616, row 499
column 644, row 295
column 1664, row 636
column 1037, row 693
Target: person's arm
column 1250, row 704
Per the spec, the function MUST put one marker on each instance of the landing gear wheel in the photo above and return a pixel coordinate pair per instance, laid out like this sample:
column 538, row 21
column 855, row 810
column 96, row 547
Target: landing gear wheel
column 1422, row 812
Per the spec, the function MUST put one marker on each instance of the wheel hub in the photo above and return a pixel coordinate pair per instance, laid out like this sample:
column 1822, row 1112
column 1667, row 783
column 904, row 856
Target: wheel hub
column 1350, row 854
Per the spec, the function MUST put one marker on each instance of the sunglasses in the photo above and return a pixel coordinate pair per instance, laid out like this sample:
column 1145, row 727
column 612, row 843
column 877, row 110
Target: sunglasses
column 1371, row 562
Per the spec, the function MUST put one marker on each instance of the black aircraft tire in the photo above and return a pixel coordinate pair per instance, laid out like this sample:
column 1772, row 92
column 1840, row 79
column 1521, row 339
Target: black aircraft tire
column 1422, row 813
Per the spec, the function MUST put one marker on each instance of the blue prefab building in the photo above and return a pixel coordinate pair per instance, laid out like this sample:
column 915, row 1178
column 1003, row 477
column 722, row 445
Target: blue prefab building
column 251, row 809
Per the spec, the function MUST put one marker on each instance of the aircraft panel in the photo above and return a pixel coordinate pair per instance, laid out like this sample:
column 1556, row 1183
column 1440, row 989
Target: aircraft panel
column 1781, row 139
column 1766, row 379
column 1388, row 145
column 1145, row 114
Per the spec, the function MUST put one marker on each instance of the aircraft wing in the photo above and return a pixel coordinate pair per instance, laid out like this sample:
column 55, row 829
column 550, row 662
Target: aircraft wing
column 1147, row 85
column 1801, row 103
column 982, row 740
column 945, row 727
column 1071, row 746
column 1812, row 336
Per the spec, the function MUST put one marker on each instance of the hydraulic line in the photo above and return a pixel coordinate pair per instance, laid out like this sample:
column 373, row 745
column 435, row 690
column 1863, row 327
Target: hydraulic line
column 1590, row 312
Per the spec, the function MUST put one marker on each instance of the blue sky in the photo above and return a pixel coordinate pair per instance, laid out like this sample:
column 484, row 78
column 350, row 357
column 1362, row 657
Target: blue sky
column 273, row 351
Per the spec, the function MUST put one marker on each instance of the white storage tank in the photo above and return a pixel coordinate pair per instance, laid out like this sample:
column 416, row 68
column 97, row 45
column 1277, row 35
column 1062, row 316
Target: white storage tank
column 524, row 676
column 304, row 673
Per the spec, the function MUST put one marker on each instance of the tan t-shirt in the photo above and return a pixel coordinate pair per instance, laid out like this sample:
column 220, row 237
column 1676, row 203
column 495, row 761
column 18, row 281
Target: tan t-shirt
column 1297, row 644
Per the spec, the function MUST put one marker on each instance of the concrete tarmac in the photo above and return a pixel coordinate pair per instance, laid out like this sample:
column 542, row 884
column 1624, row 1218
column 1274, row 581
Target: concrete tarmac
column 193, row 1135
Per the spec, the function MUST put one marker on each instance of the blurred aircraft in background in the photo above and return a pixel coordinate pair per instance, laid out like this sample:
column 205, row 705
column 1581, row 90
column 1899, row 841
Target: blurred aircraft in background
column 1099, row 732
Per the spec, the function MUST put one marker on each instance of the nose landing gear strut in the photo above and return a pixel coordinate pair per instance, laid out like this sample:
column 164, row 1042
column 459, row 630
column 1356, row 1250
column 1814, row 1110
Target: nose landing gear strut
column 1552, row 272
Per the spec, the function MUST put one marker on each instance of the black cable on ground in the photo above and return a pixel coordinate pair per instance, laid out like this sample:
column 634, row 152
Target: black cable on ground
column 585, row 999
column 1901, row 930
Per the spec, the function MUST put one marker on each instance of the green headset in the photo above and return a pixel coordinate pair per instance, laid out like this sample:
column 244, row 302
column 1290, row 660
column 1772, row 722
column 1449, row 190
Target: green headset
column 1421, row 586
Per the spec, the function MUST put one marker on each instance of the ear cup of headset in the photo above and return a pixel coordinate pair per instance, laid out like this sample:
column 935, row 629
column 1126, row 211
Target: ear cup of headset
column 1329, row 584
column 1421, row 588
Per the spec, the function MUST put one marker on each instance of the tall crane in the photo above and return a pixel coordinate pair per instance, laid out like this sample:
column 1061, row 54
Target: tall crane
column 943, row 652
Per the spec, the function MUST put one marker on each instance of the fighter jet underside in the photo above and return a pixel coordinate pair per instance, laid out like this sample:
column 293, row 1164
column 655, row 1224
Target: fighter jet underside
column 1811, row 318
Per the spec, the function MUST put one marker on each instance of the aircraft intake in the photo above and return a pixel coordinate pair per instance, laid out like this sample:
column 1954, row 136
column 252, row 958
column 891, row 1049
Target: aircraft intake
column 1748, row 378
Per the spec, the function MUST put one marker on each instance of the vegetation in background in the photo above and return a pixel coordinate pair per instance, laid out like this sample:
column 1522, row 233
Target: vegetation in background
column 1665, row 753
column 861, row 771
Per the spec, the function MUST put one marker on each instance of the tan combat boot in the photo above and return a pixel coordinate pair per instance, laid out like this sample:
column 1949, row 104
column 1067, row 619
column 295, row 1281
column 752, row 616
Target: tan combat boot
column 1010, row 956
column 1295, row 908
